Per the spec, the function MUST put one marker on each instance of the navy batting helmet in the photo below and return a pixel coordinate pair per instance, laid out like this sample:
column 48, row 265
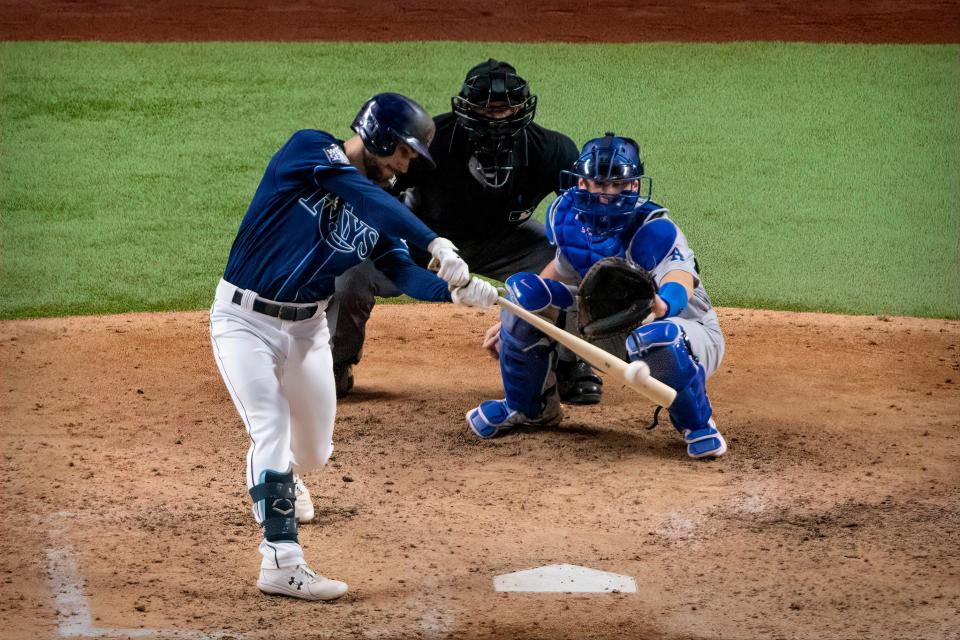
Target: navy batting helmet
column 389, row 118
column 612, row 163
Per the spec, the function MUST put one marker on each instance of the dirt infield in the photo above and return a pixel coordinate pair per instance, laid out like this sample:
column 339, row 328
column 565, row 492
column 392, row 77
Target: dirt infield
column 833, row 516
column 928, row 21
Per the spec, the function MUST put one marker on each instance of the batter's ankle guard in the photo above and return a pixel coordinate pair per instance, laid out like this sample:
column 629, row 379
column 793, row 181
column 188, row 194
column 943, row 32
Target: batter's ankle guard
column 279, row 506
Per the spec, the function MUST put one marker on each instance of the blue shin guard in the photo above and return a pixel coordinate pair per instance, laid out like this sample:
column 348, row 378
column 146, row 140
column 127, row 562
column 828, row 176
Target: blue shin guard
column 527, row 361
column 663, row 346
column 278, row 499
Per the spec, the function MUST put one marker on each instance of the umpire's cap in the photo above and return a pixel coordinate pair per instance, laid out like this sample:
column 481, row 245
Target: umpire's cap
column 388, row 118
column 494, row 81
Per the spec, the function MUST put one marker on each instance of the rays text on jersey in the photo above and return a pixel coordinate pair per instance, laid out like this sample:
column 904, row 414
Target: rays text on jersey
column 339, row 227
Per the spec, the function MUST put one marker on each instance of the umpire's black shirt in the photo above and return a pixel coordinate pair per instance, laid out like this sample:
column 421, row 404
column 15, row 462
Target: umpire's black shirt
column 456, row 206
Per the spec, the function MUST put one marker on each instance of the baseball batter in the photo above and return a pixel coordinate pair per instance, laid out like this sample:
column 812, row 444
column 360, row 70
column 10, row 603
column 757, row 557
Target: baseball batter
column 318, row 211
column 607, row 211
column 494, row 165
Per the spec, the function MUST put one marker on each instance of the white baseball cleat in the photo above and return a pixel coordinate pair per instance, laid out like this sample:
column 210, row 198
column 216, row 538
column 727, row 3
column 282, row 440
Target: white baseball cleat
column 299, row 582
column 304, row 504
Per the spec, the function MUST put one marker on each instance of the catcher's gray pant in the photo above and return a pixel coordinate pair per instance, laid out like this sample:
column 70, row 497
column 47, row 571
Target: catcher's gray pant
column 520, row 248
column 704, row 335
column 706, row 340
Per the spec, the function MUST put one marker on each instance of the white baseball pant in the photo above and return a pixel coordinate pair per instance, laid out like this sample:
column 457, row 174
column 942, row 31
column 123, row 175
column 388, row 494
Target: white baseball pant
column 280, row 376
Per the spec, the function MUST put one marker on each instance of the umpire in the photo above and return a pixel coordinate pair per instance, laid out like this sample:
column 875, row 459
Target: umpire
column 494, row 166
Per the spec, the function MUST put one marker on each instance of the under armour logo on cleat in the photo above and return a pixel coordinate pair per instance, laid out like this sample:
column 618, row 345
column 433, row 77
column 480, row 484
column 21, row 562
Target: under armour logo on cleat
column 294, row 581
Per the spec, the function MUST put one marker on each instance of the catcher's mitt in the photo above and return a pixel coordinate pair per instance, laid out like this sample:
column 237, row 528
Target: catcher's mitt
column 614, row 298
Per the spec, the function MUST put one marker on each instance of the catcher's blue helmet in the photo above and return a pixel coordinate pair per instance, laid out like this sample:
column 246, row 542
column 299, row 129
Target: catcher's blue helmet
column 389, row 118
column 612, row 163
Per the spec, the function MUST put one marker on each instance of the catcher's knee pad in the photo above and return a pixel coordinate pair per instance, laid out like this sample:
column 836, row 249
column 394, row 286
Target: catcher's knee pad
column 279, row 498
column 535, row 294
column 527, row 361
column 663, row 346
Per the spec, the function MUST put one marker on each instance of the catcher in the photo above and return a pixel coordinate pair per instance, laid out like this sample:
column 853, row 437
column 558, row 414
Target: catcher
column 640, row 297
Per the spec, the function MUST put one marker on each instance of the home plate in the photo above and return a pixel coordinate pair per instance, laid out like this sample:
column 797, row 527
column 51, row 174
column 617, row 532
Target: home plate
column 565, row 578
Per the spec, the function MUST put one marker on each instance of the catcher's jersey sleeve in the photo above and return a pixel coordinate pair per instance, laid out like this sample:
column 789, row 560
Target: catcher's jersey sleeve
column 660, row 247
column 564, row 269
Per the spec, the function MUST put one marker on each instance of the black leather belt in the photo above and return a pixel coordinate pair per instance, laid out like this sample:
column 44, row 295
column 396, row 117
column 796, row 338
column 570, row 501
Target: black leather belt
column 288, row 312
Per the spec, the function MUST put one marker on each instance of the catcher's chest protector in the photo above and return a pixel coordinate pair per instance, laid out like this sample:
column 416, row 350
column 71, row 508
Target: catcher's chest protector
column 575, row 244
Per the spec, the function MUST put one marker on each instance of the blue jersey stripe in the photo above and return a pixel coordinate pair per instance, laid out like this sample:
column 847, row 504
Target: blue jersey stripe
column 312, row 276
column 294, row 272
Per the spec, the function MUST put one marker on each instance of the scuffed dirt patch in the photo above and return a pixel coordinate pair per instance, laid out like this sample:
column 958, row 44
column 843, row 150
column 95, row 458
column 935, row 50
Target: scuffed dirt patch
column 833, row 516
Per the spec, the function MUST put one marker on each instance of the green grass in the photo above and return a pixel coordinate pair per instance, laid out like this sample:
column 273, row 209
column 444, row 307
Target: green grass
column 806, row 177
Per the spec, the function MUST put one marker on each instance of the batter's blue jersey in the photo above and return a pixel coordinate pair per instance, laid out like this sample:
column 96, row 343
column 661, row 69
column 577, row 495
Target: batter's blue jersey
column 313, row 217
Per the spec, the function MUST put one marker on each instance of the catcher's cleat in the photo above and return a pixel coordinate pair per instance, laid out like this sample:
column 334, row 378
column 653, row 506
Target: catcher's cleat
column 304, row 504
column 299, row 582
column 577, row 383
column 494, row 416
column 343, row 378
column 706, row 442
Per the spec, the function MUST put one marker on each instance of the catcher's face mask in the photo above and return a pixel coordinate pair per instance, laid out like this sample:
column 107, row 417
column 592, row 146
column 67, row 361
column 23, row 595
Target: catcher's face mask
column 606, row 208
column 606, row 184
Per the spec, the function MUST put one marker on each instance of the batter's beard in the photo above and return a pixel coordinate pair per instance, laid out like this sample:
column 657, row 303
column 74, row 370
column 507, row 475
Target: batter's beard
column 376, row 172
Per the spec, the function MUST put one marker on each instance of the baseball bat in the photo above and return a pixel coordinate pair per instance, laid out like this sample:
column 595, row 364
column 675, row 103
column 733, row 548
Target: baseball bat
column 634, row 374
